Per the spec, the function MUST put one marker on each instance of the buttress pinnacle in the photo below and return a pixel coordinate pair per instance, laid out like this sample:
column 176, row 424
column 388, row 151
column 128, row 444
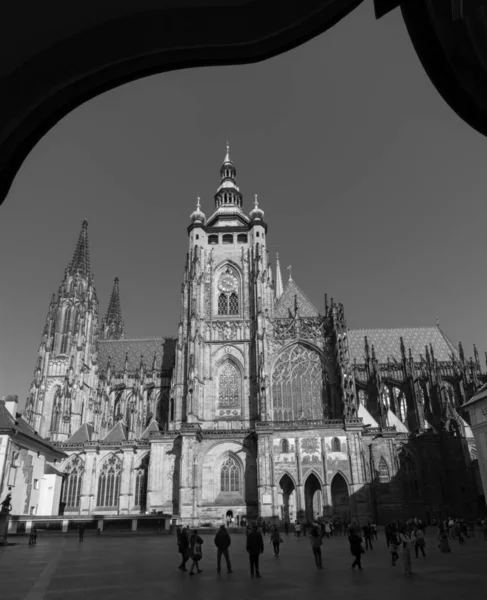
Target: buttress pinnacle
column 113, row 328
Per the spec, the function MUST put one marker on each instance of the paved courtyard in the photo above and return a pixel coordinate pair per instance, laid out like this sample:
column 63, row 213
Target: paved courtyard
column 123, row 566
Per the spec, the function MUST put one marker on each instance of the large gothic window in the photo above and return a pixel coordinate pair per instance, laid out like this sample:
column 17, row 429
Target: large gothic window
column 72, row 483
column 228, row 301
column 229, row 387
column 109, row 482
column 141, row 484
column 230, row 476
column 297, row 384
column 383, row 469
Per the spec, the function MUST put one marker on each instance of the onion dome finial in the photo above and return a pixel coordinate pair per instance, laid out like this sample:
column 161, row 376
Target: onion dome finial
column 256, row 214
column 198, row 214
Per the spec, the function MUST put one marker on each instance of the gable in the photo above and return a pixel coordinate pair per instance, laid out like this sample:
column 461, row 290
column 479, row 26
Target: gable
column 118, row 433
column 285, row 305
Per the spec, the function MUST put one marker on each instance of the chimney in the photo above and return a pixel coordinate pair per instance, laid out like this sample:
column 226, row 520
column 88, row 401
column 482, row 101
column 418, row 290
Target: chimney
column 11, row 403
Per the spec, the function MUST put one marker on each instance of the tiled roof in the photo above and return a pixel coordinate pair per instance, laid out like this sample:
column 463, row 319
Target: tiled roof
column 285, row 304
column 153, row 426
column 83, row 434
column 50, row 470
column 118, row 433
column 163, row 348
column 387, row 343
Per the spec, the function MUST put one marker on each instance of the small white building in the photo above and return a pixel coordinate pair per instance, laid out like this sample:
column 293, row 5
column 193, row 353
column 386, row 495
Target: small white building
column 477, row 408
column 27, row 462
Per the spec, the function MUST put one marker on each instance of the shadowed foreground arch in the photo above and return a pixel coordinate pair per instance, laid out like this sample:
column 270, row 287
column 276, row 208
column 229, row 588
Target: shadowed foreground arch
column 65, row 61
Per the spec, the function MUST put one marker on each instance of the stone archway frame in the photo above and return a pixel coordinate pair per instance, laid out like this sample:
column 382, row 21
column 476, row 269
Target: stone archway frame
column 295, row 487
column 347, row 483
column 326, row 363
column 321, row 484
column 222, row 356
column 217, row 271
column 212, row 468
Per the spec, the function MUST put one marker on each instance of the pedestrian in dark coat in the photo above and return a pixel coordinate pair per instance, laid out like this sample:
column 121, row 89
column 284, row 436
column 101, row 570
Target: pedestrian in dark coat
column 81, row 532
column 276, row 540
column 183, row 548
column 316, row 540
column 255, row 547
column 356, row 549
column 195, row 543
column 222, row 542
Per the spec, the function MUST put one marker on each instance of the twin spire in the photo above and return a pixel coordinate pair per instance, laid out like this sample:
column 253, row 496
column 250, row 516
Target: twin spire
column 80, row 263
column 113, row 328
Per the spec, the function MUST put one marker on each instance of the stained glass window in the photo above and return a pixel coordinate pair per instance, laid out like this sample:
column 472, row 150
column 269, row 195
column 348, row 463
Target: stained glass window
column 222, row 304
column 229, row 386
column 73, row 482
column 230, row 476
column 383, row 469
column 109, row 482
column 297, row 384
column 386, row 397
column 233, row 304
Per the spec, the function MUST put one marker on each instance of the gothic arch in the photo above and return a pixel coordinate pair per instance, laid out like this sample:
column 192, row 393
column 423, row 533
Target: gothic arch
column 340, row 494
column 312, row 471
column 229, row 386
column 298, row 383
column 383, row 471
column 72, row 484
column 109, row 478
column 228, row 303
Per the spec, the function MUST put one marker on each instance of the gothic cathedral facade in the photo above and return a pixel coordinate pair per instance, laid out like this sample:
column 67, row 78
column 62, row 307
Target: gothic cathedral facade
column 261, row 406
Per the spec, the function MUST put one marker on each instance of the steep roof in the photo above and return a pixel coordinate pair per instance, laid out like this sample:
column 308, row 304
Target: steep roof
column 387, row 343
column 81, row 435
column 22, row 432
column 50, row 470
column 153, row 426
column 163, row 348
column 285, row 304
column 118, row 433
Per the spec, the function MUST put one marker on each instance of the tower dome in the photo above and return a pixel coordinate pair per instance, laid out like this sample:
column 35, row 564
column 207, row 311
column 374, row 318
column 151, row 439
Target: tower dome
column 256, row 214
column 198, row 215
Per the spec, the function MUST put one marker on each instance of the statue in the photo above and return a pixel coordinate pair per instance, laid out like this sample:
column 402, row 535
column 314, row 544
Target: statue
column 6, row 504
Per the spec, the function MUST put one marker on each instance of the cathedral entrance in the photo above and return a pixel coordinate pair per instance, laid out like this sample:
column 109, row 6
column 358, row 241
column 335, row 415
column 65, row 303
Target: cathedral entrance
column 313, row 498
column 229, row 517
column 288, row 507
column 340, row 498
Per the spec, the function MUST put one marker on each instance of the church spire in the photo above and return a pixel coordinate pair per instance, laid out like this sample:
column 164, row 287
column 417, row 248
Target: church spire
column 279, row 288
column 112, row 326
column 80, row 263
column 228, row 193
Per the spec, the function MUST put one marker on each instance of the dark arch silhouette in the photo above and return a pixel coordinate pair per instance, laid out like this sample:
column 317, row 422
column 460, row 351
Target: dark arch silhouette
column 288, row 487
column 340, row 497
column 313, row 498
column 117, row 48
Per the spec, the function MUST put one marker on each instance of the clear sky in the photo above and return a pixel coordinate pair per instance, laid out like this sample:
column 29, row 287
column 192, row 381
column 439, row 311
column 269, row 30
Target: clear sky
column 373, row 189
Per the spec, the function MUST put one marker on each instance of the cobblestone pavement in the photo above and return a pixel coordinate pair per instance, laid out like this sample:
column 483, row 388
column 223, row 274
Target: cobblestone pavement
column 127, row 566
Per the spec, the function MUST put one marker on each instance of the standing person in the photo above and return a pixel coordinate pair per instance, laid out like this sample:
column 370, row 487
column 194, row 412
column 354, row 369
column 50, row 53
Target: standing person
column 327, row 530
column 264, row 528
column 419, row 542
column 297, row 529
column 276, row 540
column 33, row 536
column 316, row 541
column 373, row 530
column 407, row 550
column 393, row 546
column 368, row 536
column 255, row 547
column 81, row 532
column 183, row 548
column 222, row 542
column 195, row 543
column 178, row 534
column 356, row 548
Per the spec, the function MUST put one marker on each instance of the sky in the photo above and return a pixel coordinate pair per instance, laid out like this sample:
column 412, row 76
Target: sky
column 372, row 189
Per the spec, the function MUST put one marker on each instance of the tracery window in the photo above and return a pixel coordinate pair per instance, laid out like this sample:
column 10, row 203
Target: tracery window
column 228, row 302
column 363, row 398
column 383, row 469
column 73, row 482
column 284, row 446
column 229, row 386
column 230, row 476
column 386, row 397
column 335, row 445
column 233, row 304
column 403, row 410
column 109, row 482
column 297, row 384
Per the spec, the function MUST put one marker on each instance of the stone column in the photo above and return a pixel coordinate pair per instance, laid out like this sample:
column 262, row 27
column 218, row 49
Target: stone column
column 88, row 487
column 300, row 499
column 326, row 486
column 264, row 487
column 126, row 493
column 186, row 476
column 155, row 483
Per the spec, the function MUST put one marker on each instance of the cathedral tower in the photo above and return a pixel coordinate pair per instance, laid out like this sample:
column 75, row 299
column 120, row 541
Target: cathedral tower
column 64, row 371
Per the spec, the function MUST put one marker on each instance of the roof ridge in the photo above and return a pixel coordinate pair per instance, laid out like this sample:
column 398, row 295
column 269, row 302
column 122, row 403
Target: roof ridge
column 125, row 340
column 394, row 328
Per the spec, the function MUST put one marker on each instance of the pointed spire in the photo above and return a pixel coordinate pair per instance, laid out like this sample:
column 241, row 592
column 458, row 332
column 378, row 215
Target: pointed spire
column 227, row 158
column 289, row 268
column 113, row 328
column 80, row 263
column 279, row 288
column 228, row 193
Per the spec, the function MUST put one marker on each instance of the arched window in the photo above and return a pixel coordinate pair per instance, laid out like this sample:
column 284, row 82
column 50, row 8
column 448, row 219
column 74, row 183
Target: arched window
column 212, row 240
column 229, row 386
column 335, row 445
column 140, row 498
column 383, row 469
column 298, row 384
column 230, row 476
column 403, row 409
column 284, row 446
column 227, row 238
column 109, row 483
column 228, row 303
column 72, row 483
column 363, row 398
column 386, row 397
column 242, row 238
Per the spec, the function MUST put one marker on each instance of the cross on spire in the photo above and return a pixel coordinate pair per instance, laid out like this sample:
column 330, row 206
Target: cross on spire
column 289, row 268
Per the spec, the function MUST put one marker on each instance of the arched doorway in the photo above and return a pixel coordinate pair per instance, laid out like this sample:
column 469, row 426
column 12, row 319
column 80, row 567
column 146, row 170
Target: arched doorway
column 340, row 498
column 287, row 498
column 313, row 498
column 229, row 517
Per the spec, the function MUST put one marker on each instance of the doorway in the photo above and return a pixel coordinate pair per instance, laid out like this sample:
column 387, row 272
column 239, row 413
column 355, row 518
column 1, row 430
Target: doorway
column 313, row 498
column 340, row 498
column 288, row 508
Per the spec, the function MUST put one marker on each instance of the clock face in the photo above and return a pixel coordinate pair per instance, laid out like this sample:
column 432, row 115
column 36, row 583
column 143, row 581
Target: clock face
column 227, row 283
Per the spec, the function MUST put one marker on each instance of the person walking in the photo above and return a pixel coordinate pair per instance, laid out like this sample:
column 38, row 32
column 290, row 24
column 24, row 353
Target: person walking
column 327, row 530
column 255, row 547
column 276, row 540
column 222, row 542
column 419, row 542
column 33, row 536
column 195, row 543
column 393, row 547
column 316, row 541
column 407, row 550
column 183, row 548
column 356, row 548
column 81, row 531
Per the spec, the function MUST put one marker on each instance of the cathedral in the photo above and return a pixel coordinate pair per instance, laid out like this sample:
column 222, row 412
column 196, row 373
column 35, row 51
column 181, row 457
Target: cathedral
column 260, row 407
